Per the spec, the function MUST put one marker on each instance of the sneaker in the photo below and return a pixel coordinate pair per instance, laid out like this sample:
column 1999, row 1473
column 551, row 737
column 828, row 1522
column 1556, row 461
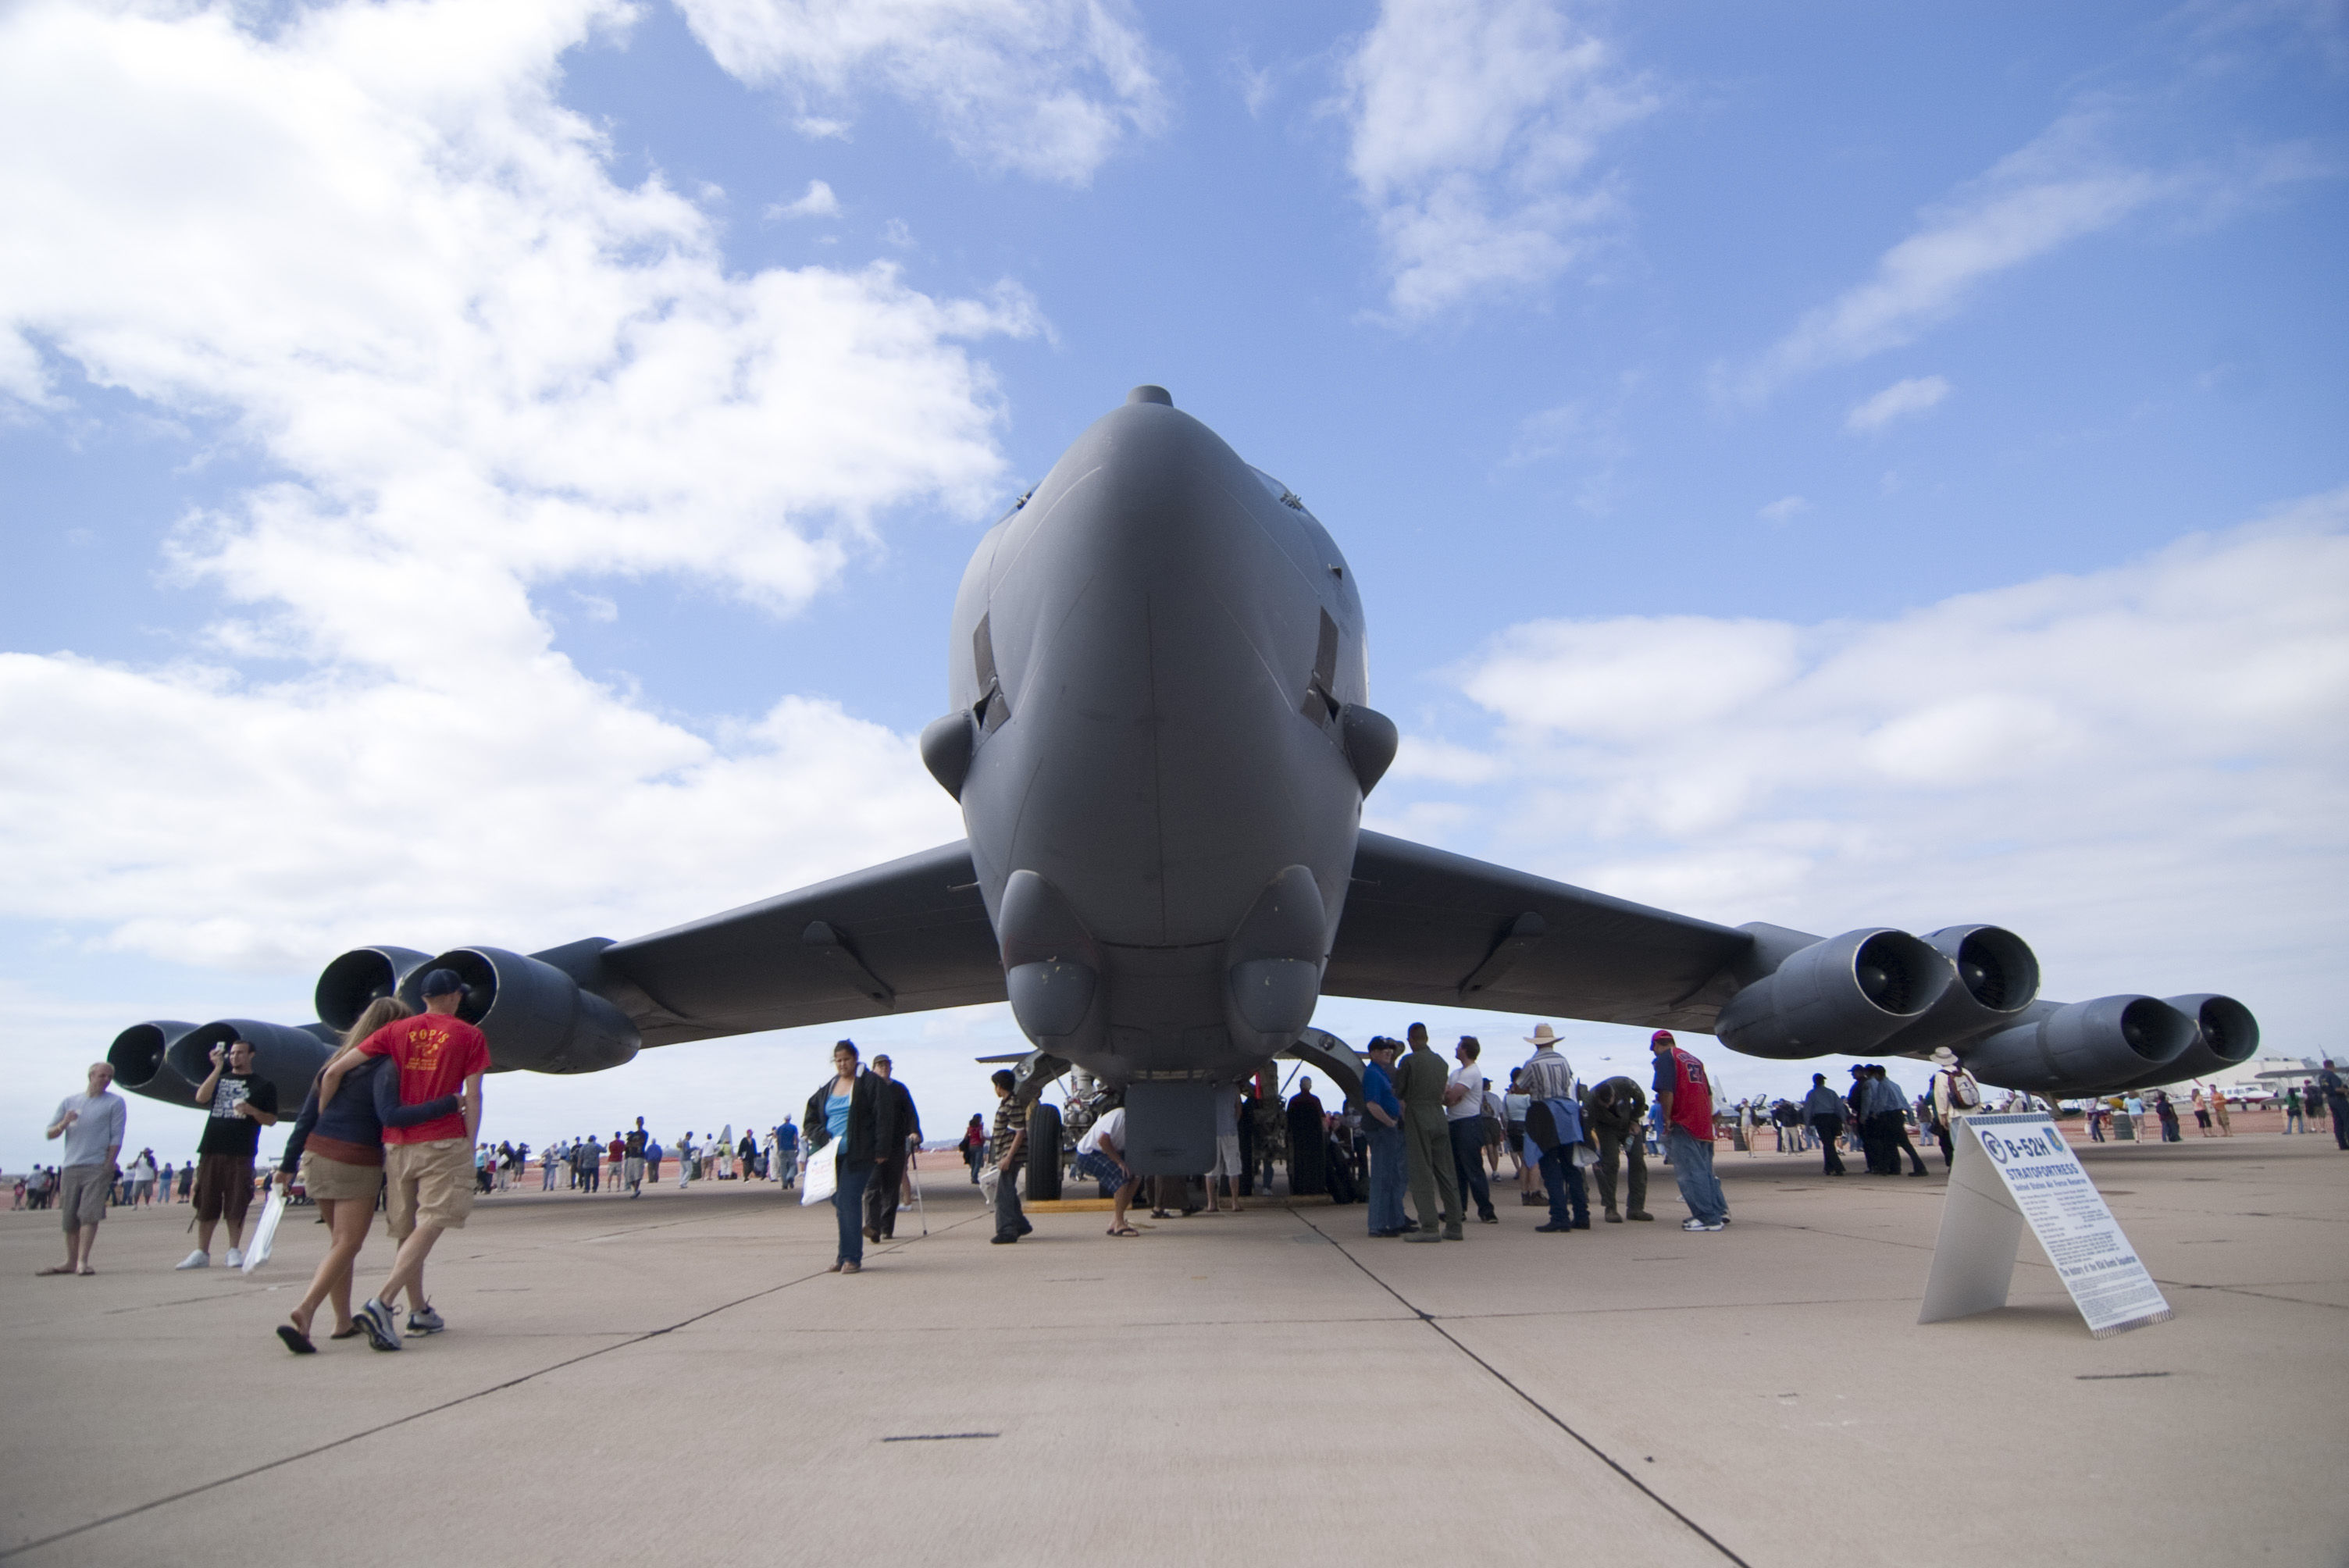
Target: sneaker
column 195, row 1260
column 1641, row 1214
column 1552, row 1230
column 425, row 1322
column 1452, row 1233
column 235, row 1258
column 1702, row 1226
column 1613, row 1218
column 376, row 1319
column 1422, row 1236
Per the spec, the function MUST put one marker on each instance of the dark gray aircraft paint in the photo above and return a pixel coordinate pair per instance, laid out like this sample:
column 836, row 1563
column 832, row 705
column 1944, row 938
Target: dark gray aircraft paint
column 1160, row 733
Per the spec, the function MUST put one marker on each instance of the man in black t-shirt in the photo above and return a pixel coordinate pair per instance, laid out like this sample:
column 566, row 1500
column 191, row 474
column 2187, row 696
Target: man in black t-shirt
column 632, row 1147
column 241, row 1102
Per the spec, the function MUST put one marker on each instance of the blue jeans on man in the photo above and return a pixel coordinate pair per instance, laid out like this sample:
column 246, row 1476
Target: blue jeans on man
column 1692, row 1169
column 1569, row 1199
column 1390, row 1178
column 848, row 1205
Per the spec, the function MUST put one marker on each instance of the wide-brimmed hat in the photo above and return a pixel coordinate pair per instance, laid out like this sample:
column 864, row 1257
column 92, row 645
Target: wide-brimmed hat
column 1944, row 1058
column 1542, row 1035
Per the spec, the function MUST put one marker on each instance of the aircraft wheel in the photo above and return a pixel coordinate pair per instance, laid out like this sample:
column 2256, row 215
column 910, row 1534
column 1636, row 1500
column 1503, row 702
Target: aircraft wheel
column 1043, row 1153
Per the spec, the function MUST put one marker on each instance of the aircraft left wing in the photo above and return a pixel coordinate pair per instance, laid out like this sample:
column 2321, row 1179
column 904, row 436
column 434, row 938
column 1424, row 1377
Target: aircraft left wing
column 906, row 936
column 1424, row 926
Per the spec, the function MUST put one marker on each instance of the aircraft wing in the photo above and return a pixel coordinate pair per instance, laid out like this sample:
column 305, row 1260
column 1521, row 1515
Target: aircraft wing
column 903, row 937
column 1424, row 926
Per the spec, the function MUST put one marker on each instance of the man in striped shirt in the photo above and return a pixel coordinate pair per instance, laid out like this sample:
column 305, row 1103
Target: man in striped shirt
column 1008, row 1151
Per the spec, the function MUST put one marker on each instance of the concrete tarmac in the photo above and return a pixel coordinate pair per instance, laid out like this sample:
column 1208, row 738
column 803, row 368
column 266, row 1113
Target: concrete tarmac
column 678, row 1376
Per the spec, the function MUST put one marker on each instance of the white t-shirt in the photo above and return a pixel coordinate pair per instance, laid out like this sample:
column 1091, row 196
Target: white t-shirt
column 1472, row 1104
column 1112, row 1126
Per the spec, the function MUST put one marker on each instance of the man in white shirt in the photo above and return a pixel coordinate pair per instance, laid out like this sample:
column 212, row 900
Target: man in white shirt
column 1106, row 1140
column 1464, row 1119
column 92, row 1125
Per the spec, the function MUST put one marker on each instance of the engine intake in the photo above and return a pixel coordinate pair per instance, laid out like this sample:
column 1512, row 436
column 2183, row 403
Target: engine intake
column 287, row 1057
column 137, row 1056
column 2086, row 1047
column 363, row 975
column 536, row 1017
column 1997, row 978
column 1848, row 994
column 2226, row 1036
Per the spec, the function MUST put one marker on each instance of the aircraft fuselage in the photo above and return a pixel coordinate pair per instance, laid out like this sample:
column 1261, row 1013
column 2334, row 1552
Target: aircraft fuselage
column 1157, row 652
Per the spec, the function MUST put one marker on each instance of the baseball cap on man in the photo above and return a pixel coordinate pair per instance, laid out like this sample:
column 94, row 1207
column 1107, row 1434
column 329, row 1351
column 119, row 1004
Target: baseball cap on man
column 1661, row 1037
column 441, row 981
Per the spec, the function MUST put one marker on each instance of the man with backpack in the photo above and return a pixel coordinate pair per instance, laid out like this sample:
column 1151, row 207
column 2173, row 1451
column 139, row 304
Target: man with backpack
column 1956, row 1093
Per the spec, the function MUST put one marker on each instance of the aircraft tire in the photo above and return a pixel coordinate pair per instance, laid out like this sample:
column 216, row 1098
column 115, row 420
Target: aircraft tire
column 1043, row 1153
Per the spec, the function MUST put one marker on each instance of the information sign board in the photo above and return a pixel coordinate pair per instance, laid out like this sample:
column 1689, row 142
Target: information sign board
column 2013, row 1170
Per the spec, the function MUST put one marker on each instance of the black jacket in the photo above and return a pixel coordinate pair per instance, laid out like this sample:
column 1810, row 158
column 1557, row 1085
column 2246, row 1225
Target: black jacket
column 867, row 1136
column 898, row 1118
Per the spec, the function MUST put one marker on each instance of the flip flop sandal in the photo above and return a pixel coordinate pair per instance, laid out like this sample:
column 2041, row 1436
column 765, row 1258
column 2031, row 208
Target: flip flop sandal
column 1125, row 1231
column 351, row 1333
column 295, row 1340
column 43, row 1273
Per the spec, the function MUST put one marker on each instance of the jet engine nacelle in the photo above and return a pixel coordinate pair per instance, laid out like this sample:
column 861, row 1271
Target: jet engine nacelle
column 2084, row 1047
column 287, row 1057
column 1849, row 994
column 360, row 977
column 536, row 1017
column 2226, row 1036
column 1997, row 978
column 138, row 1056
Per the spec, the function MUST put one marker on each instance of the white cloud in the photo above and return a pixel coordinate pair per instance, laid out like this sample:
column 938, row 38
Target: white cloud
column 371, row 241
column 2059, row 188
column 1047, row 88
column 1784, row 510
column 2144, row 769
column 1917, row 395
column 1475, row 125
column 819, row 202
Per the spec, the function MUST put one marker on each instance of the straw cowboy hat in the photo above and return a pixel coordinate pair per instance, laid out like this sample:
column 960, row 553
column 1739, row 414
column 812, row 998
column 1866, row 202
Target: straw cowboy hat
column 1542, row 1035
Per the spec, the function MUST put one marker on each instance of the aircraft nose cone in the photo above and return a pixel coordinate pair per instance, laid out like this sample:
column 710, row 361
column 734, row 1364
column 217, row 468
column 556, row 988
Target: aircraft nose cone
column 1151, row 395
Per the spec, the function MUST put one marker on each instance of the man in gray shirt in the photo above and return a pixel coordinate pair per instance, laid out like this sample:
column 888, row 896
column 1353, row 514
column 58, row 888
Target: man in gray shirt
column 92, row 1125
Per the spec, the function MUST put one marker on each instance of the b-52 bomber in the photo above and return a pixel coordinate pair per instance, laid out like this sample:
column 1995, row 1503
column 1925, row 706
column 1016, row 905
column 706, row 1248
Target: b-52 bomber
column 1160, row 734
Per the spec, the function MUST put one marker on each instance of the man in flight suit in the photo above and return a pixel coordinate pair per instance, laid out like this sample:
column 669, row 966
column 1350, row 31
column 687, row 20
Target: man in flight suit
column 1420, row 1078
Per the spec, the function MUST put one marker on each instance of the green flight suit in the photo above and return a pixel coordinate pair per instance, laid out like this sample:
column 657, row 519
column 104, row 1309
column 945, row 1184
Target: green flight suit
column 1419, row 1077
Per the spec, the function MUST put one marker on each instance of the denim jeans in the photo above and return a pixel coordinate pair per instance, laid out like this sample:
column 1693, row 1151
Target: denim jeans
column 1692, row 1169
column 1390, row 1176
column 1569, row 1200
column 848, row 1205
column 1009, row 1221
column 1467, row 1135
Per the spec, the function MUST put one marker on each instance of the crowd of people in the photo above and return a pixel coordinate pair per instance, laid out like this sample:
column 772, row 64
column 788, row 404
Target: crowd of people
column 391, row 1125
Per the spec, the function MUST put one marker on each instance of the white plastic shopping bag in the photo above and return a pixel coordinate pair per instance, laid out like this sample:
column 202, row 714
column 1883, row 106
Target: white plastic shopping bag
column 819, row 1177
column 264, row 1234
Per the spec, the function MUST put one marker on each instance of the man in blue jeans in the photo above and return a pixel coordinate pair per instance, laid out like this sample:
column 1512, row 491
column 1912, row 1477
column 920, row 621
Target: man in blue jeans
column 1382, row 1119
column 1684, row 1097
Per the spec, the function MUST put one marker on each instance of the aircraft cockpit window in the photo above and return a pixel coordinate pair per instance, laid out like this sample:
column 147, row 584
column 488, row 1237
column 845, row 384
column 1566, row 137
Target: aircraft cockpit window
column 1279, row 492
column 992, row 709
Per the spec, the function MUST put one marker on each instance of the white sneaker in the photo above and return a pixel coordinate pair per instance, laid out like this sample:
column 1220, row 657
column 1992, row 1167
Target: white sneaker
column 1699, row 1225
column 198, row 1259
column 235, row 1258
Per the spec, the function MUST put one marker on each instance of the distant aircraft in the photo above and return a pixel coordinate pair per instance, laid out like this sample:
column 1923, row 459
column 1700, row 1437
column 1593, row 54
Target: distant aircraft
column 1160, row 734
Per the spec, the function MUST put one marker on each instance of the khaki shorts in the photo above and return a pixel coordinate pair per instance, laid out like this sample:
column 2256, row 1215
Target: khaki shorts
column 82, row 1191
column 427, row 1184
column 224, row 1187
column 337, row 1181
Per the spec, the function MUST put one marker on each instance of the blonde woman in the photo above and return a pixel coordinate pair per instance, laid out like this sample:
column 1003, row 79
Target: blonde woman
column 339, row 1151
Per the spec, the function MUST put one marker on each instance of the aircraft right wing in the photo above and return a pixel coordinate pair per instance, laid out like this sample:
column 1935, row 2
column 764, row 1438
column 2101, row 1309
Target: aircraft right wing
column 1428, row 927
column 902, row 937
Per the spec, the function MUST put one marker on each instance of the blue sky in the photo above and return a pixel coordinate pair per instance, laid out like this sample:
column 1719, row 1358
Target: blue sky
column 1837, row 465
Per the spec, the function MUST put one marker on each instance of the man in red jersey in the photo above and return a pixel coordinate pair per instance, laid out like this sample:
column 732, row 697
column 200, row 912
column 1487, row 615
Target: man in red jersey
column 1684, row 1097
column 428, row 1167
